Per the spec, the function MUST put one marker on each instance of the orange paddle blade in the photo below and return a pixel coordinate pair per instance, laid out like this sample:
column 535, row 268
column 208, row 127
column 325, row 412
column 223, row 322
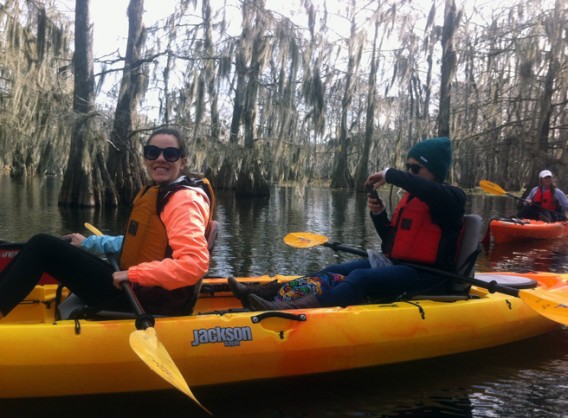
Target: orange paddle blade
column 304, row 239
column 491, row 188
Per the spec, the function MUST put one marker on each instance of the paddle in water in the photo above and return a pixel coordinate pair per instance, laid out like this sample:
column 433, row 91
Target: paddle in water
column 144, row 341
column 553, row 306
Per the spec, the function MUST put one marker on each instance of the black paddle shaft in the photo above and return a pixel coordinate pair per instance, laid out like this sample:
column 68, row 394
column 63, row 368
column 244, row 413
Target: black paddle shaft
column 143, row 319
column 337, row 246
column 492, row 286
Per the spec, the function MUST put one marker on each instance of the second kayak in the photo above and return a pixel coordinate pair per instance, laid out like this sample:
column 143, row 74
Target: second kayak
column 514, row 229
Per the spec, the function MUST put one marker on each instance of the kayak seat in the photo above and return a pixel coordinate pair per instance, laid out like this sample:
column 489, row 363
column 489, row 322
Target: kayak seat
column 212, row 236
column 74, row 308
column 466, row 257
column 469, row 245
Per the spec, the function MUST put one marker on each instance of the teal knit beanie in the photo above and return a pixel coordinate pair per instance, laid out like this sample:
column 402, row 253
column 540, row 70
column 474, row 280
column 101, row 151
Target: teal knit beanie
column 435, row 154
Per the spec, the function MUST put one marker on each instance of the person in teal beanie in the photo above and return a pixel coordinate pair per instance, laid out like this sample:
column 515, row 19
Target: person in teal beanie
column 424, row 229
column 434, row 153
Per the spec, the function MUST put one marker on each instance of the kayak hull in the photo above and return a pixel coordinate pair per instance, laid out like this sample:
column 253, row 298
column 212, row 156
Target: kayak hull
column 510, row 230
column 42, row 357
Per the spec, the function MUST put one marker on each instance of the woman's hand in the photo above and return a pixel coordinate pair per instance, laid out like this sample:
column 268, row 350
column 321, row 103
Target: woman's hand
column 74, row 239
column 118, row 277
column 376, row 206
column 374, row 181
column 377, row 179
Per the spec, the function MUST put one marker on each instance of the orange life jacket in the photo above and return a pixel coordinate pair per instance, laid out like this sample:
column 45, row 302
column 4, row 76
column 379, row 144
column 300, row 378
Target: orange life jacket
column 546, row 199
column 414, row 237
column 145, row 238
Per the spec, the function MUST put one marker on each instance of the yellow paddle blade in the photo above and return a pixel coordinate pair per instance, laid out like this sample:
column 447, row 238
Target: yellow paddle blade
column 492, row 188
column 550, row 305
column 147, row 346
column 93, row 229
column 304, row 239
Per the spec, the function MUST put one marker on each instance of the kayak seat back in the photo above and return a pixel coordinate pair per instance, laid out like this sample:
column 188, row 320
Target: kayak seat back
column 212, row 235
column 468, row 250
column 469, row 246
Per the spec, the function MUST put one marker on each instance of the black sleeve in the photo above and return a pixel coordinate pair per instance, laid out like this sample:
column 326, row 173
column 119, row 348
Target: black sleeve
column 446, row 202
column 381, row 223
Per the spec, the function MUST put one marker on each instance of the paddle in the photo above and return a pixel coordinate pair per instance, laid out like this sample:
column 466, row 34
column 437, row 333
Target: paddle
column 144, row 341
column 309, row 239
column 492, row 188
column 548, row 304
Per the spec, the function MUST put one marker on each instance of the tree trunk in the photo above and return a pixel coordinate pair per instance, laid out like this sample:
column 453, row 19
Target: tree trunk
column 341, row 178
column 86, row 181
column 449, row 61
column 238, row 106
column 210, row 70
column 124, row 162
column 362, row 170
column 249, row 63
column 545, row 111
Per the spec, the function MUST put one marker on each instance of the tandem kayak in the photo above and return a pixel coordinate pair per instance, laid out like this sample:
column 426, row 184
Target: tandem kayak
column 41, row 355
column 513, row 229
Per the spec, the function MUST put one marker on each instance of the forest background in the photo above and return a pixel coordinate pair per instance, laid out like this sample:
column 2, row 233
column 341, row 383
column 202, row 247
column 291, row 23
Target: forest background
column 284, row 95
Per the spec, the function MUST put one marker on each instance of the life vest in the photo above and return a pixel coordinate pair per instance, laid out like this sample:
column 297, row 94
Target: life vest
column 414, row 237
column 546, row 199
column 145, row 238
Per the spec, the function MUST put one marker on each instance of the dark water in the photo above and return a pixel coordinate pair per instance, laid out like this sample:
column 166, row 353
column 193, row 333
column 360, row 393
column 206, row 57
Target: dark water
column 525, row 379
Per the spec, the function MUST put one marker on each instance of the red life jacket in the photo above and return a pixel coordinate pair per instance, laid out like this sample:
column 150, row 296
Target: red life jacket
column 414, row 237
column 546, row 199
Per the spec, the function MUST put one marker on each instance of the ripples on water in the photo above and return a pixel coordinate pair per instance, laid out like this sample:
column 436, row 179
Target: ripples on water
column 525, row 379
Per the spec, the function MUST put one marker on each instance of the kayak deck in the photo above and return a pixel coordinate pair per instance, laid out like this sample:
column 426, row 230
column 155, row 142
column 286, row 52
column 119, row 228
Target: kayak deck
column 40, row 356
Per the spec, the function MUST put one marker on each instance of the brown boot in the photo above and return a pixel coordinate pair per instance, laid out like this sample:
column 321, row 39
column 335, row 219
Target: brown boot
column 259, row 304
column 241, row 291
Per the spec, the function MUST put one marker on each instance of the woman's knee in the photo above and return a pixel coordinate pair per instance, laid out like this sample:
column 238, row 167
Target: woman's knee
column 347, row 268
column 41, row 241
column 360, row 277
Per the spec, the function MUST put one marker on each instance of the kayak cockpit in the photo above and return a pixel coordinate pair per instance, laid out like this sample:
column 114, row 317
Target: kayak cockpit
column 47, row 304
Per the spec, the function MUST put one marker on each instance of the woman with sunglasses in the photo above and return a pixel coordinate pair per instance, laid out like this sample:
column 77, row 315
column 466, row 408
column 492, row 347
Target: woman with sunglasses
column 163, row 253
column 545, row 202
column 424, row 229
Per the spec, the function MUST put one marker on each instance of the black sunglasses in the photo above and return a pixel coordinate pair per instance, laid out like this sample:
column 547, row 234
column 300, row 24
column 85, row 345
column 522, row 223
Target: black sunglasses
column 414, row 168
column 152, row 152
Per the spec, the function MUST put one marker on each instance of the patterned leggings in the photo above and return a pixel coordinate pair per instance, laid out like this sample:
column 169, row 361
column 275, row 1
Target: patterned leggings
column 308, row 285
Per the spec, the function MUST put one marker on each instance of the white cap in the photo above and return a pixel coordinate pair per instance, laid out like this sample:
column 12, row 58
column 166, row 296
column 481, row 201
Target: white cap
column 544, row 173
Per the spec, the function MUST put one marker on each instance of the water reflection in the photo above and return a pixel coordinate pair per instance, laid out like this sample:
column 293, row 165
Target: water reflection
column 521, row 379
column 537, row 255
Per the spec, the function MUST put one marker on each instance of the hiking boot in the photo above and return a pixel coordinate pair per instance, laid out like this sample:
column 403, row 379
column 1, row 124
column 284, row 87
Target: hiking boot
column 265, row 291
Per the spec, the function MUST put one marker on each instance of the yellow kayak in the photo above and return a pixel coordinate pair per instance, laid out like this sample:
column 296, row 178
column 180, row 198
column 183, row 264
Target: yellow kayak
column 42, row 356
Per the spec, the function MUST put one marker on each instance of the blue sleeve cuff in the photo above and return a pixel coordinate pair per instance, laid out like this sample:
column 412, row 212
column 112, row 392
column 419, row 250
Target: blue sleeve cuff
column 103, row 244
